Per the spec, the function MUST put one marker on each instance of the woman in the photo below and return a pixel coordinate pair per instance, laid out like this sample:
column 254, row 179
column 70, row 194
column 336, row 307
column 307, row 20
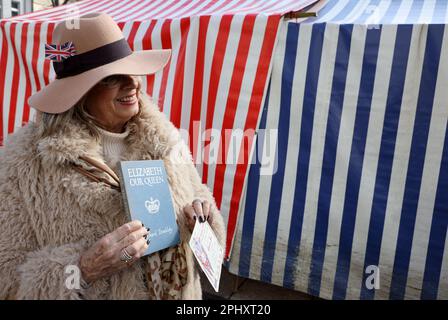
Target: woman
column 59, row 214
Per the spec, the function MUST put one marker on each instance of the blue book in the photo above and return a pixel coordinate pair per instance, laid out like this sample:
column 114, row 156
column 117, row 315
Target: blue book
column 147, row 197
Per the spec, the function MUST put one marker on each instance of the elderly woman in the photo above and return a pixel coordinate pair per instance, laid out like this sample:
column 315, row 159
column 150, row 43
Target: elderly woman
column 58, row 214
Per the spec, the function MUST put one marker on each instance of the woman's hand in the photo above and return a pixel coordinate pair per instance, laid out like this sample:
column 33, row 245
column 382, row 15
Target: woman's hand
column 104, row 257
column 201, row 210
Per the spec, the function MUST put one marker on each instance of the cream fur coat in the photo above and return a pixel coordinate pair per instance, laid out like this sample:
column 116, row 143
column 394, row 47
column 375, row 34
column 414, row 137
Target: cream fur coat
column 49, row 213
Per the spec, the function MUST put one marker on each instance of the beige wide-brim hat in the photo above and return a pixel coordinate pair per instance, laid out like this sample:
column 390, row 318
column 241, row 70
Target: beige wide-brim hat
column 86, row 54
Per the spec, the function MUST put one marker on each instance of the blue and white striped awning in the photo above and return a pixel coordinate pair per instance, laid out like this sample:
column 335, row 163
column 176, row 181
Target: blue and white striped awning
column 361, row 175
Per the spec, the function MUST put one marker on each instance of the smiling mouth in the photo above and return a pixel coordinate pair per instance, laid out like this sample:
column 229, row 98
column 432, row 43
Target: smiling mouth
column 127, row 99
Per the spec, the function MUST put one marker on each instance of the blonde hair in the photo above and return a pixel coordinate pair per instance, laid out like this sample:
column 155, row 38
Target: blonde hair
column 50, row 123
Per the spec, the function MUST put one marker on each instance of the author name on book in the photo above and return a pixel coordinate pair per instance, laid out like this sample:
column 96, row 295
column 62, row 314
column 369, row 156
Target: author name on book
column 160, row 231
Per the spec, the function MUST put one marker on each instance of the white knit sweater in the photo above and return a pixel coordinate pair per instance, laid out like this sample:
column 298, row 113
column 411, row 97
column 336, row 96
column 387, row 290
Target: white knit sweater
column 114, row 146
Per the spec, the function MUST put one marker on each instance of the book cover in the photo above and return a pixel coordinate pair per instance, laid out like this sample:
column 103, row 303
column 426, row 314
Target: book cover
column 147, row 197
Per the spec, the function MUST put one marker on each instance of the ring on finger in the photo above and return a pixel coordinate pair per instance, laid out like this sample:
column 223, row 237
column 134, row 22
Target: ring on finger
column 125, row 256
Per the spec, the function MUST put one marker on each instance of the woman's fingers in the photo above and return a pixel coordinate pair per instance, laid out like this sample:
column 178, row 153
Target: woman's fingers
column 123, row 231
column 137, row 248
column 190, row 215
column 132, row 238
column 206, row 209
column 197, row 205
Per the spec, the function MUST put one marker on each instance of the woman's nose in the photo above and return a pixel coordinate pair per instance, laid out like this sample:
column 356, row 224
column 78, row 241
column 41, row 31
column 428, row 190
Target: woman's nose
column 129, row 82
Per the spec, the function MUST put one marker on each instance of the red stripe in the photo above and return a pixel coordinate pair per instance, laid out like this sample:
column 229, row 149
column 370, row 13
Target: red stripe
column 15, row 81
column 131, row 38
column 196, row 102
column 217, row 62
column 178, row 86
column 26, row 107
column 147, row 45
column 166, row 44
column 223, row 4
column 3, row 64
column 251, row 123
column 147, row 6
column 232, row 103
column 34, row 60
column 46, row 61
column 143, row 15
column 183, row 11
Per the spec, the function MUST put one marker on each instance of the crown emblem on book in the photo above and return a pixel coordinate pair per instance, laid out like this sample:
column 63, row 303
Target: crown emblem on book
column 152, row 205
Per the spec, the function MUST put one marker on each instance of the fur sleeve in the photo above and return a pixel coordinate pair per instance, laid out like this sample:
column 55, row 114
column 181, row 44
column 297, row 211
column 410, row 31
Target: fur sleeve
column 30, row 272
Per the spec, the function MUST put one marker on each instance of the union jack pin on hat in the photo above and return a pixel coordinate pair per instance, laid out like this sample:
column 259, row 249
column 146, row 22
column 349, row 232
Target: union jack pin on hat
column 59, row 52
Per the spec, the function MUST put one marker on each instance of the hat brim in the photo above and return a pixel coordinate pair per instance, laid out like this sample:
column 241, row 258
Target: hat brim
column 62, row 94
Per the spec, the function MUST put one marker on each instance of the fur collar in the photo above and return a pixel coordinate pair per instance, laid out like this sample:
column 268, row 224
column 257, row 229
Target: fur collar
column 151, row 136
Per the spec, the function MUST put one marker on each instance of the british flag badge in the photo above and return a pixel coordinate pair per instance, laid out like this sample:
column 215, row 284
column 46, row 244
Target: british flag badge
column 59, row 52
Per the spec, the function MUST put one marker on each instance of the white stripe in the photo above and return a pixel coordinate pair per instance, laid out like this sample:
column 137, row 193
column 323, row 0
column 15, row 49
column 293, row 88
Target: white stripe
column 213, row 9
column 276, row 6
column 189, row 74
column 380, row 12
column 401, row 159
column 41, row 54
column 156, row 41
column 230, row 55
column 70, row 12
column 22, row 79
column 370, row 162
column 334, row 12
column 187, row 11
column 167, row 13
column 119, row 9
column 426, row 13
column 317, row 143
column 292, row 151
column 8, row 79
column 138, row 46
column 175, row 43
column 443, row 282
column 137, row 9
column 264, row 186
column 403, row 12
column 430, row 175
column 50, row 12
column 242, row 106
column 357, row 11
column 346, row 131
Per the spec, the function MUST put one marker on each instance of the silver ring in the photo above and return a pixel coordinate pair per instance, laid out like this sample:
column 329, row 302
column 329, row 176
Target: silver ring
column 125, row 256
column 197, row 200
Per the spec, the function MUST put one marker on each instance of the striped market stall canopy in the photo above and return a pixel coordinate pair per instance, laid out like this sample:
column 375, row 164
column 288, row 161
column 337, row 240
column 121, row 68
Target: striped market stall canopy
column 215, row 81
column 358, row 102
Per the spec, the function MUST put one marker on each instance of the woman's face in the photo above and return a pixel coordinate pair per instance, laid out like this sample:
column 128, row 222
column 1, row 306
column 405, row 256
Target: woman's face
column 114, row 101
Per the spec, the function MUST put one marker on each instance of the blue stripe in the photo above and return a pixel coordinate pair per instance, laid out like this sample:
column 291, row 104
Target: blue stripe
column 439, row 14
column 250, row 208
column 346, row 11
column 367, row 13
column 275, row 197
column 309, row 104
column 321, row 13
column 387, row 147
column 415, row 12
column 391, row 12
column 329, row 157
column 438, row 231
column 356, row 160
column 416, row 160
